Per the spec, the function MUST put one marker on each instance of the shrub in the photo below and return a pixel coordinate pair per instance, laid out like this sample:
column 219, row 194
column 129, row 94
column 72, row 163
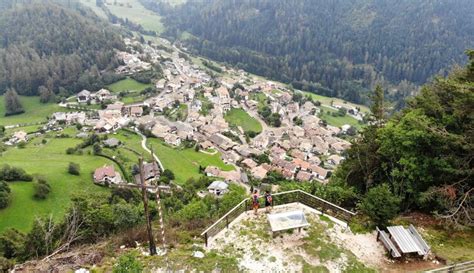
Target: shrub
column 42, row 189
column 11, row 243
column 8, row 173
column 169, row 174
column 128, row 263
column 21, row 144
column 380, row 204
column 74, row 168
column 5, row 196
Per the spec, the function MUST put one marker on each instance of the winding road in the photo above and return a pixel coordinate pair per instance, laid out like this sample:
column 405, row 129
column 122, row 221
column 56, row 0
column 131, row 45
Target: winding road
column 148, row 150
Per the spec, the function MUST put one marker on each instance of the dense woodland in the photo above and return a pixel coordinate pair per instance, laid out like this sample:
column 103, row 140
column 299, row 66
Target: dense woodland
column 422, row 157
column 59, row 48
column 333, row 47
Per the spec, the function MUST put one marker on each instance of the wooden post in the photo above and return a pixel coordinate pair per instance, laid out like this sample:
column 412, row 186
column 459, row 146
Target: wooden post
column 205, row 238
column 227, row 221
column 151, row 240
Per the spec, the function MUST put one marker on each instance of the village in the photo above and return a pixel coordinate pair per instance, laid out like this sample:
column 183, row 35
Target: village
column 191, row 105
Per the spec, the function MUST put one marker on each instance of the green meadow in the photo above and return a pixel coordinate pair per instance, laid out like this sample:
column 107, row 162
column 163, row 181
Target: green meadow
column 50, row 161
column 35, row 111
column 238, row 117
column 185, row 162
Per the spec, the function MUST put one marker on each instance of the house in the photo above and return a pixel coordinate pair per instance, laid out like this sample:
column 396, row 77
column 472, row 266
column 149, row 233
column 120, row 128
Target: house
column 224, row 98
column 212, row 171
column 107, row 175
column 222, row 141
column 320, row 173
column 335, row 159
column 83, row 96
column 102, row 94
column 59, row 117
column 151, row 172
column 172, row 139
column 19, row 136
column 259, row 172
column 249, row 163
column 206, row 145
column 117, row 106
column 160, row 130
column 136, row 111
column 218, row 188
column 304, row 176
column 112, row 142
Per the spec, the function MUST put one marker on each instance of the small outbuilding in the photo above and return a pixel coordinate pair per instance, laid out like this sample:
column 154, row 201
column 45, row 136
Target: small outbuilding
column 218, row 188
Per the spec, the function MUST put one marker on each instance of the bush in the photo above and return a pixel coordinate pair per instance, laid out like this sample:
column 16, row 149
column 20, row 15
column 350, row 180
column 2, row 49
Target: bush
column 11, row 243
column 97, row 149
column 21, row 145
column 5, row 264
column 5, row 196
column 169, row 174
column 128, row 263
column 8, row 173
column 42, row 189
column 74, row 168
column 380, row 204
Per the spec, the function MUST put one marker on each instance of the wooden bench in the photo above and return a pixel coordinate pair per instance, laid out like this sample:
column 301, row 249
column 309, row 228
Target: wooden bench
column 383, row 236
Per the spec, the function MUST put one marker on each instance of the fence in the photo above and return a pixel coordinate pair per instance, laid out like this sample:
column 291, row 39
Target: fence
column 279, row 199
column 459, row 267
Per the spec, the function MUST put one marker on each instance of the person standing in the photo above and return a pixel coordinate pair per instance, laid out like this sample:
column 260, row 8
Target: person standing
column 268, row 201
column 255, row 203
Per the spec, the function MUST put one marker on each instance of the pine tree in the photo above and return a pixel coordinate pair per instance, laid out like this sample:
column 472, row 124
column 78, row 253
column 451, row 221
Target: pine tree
column 12, row 103
column 46, row 95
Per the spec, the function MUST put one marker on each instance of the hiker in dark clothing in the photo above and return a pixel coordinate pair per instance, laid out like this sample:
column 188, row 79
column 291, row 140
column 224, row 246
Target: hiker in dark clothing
column 268, row 201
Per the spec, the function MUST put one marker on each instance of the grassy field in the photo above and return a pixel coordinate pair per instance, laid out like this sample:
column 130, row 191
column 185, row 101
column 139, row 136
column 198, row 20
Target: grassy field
column 34, row 111
column 328, row 100
column 50, row 161
column 134, row 11
column 126, row 154
column 127, row 84
column 92, row 5
column 239, row 117
column 185, row 162
column 181, row 113
column 337, row 121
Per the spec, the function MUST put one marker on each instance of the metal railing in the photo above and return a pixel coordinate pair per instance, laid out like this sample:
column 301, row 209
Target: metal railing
column 459, row 267
column 281, row 198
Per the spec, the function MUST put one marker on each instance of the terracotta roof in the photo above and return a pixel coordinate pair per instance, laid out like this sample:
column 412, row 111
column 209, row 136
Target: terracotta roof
column 100, row 173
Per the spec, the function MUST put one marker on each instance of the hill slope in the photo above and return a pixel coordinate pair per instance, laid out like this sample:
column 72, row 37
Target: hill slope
column 54, row 46
column 345, row 46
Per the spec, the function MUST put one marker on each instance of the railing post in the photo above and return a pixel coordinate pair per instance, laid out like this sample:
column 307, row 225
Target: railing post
column 227, row 221
column 205, row 238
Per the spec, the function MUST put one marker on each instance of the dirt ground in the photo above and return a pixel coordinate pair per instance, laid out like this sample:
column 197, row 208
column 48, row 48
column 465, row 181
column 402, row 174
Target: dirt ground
column 249, row 238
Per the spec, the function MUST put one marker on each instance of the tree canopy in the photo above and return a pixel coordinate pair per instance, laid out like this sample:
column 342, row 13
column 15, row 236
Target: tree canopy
column 47, row 46
column 425, row 153
column 336, row 48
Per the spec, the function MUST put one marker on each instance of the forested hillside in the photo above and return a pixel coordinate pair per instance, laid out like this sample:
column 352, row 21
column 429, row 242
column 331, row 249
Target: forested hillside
column 422, row 157
column 334, row 47
column 53, row 46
